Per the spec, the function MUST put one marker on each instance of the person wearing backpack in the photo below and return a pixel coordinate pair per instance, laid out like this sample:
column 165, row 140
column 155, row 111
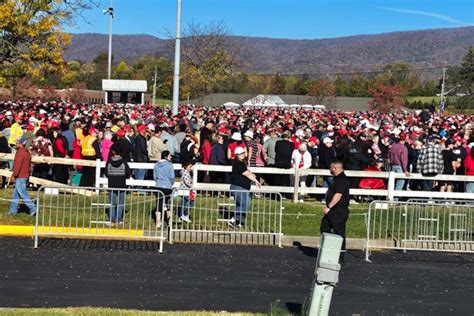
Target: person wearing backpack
column 117, row 171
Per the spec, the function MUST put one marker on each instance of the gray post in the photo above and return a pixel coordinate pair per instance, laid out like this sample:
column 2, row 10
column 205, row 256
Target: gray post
column 177, row 57
column 326, row 273
column 154, row 89
column 441, row 103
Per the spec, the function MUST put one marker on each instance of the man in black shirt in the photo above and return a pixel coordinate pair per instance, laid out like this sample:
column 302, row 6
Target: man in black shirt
column 240, row 182
column 336, row 211
column 283, row 151
column 450, row 162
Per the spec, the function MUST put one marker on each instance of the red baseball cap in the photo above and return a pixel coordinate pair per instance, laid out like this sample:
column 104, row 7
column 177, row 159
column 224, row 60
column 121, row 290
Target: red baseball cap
column 54, row 124
column 141, row 128
column 121, row 133
column 30, row 127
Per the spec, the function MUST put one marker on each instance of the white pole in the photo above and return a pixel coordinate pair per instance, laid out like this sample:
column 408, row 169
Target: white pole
column 177, row 55
column 111, row 16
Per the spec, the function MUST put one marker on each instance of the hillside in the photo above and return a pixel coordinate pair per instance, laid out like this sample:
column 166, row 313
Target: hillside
column 268, row 55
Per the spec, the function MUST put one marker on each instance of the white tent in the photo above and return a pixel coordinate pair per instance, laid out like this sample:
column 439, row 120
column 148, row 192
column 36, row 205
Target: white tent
column 307, row 107
column 283, row 106
column 295, row 106
column 264, row 101
column 319, row 107
column 231, row 105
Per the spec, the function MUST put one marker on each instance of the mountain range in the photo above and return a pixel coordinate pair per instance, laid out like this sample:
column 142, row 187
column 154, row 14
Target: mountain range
column 424, row 49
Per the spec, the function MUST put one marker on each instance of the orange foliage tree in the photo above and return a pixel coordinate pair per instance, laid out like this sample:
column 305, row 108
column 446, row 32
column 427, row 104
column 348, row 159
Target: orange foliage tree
column 386, row 98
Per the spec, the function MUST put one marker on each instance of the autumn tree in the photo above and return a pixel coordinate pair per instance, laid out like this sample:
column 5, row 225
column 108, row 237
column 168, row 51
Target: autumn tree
column 466, row 73
column 400, row 74
column 49, row 93
column 277, row 85
column 76, row 93
column 122, row 71
column 32, row 38
column 144, row 69
column 466, row 82
column 341, row 86
column 358, row 86
column 322, row 91
column 386, row 98
column 209, row 57
column 237, row 83
column 26, row 89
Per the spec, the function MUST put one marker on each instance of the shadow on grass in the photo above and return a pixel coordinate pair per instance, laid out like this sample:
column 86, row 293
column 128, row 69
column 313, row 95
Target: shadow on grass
column 279, row 308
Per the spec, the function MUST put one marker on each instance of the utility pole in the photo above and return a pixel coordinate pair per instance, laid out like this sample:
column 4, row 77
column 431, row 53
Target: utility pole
column 441, row 103
column 177, row 59
column 154, row 88
column 110, row 11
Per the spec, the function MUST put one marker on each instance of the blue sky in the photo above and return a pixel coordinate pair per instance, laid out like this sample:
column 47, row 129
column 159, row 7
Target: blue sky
column 296, row 19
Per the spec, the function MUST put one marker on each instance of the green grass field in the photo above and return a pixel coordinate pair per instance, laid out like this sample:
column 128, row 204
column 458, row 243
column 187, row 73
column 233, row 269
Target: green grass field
column 66, row 210
column 93, row 311
column 162, row 102
column 424, row 99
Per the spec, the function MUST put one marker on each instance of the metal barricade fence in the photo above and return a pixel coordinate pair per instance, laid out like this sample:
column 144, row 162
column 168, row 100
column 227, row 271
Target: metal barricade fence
column 441, row 201
column 100, row 213
column 226, row 216
column 421, row 225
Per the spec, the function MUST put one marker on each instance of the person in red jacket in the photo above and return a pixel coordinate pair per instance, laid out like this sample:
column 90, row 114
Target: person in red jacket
column 373, row 183
column 20, row 174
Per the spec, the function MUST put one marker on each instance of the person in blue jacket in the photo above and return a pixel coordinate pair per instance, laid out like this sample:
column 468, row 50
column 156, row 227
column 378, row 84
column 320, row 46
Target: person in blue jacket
column 163, row 174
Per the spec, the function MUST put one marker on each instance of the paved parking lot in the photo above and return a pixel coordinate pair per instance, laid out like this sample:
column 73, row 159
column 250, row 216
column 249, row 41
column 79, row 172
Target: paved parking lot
column 221, row 277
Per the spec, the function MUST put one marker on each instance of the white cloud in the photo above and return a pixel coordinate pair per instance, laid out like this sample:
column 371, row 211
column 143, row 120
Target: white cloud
column 426, row 13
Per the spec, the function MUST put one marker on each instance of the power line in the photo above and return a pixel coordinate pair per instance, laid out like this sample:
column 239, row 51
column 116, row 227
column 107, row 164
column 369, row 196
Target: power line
column 356, row 72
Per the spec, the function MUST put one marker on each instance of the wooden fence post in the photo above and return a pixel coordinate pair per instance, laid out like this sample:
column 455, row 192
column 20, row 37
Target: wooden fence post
column 97, row 173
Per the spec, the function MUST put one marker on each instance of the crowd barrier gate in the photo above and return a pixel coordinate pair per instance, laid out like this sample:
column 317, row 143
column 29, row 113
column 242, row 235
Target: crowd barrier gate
column 82, row 212
column 213, row 215
column 432, row 225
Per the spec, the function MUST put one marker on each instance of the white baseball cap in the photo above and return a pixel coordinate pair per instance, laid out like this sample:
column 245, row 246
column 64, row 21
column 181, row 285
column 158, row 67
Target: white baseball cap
column 327, row 140
column 249, row 133
column 239, row 150
column 236, row 136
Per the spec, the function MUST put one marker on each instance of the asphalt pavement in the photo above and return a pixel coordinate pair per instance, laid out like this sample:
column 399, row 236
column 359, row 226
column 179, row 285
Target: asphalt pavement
column 126, row 274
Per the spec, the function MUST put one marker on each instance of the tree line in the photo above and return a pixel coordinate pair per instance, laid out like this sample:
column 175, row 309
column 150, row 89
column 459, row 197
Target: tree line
column 32, row 41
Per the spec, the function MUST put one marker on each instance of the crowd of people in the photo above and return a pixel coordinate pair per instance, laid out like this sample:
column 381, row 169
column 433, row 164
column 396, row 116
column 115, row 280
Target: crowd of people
column 407, row 142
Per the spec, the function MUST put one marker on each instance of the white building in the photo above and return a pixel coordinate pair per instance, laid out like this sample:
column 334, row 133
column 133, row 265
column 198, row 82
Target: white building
column 124, row 91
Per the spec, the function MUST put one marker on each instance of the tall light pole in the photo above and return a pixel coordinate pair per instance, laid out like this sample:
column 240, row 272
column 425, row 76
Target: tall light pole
column 177, row 60
column 110, row 11
column 154, row 88
column 441, row 101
